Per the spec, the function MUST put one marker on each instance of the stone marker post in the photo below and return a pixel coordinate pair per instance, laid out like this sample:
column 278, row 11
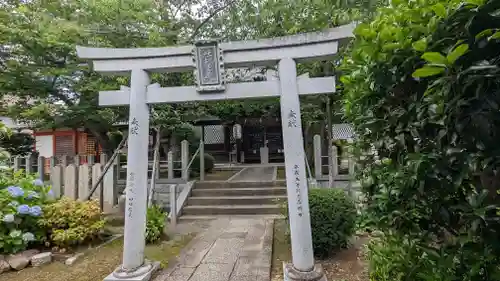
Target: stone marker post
column 185, row 159
column 64, row 161
column 17, row 163
column 53, row 162
column 71, row 182
column 41, row 168
column 83, row 181
column 56, row 180
column 96, row 174
column 302, row 267
column 110, row 194
column 90, row 160
column 318, row 163
column 29, row 164
column 170, row 164
column 76, row 160
column 202, row 160
column 333, row 169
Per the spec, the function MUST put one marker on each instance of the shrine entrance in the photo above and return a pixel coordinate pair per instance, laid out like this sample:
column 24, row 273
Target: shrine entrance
column 208, row 60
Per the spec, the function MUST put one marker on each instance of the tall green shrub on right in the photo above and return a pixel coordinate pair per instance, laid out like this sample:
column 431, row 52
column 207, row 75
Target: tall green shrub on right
column 422, row 87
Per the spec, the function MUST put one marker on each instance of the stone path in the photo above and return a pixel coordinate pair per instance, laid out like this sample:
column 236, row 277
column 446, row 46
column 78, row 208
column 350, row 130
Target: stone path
column 231, row 249
column 257, row 173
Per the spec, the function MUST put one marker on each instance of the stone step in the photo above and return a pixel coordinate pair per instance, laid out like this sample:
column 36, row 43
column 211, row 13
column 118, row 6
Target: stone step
column 237, row 184
column 191, row 218
column 232, row 210
column 238, row 191
column 235, row 200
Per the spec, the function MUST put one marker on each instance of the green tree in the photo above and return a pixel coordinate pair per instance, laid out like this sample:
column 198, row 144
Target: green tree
column 44, row 81
column 18, row 144
column 422, row 89
column 4, row 134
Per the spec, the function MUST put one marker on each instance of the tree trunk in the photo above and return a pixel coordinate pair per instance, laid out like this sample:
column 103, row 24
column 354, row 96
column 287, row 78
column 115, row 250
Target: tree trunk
column 104, row 141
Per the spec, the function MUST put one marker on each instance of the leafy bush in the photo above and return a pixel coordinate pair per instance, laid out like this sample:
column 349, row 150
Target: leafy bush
column 422, row 88
column 21, row 202
column 391, row 257
column 209, row 163
column 333, row 219
column 69, row 222
column 155, row 224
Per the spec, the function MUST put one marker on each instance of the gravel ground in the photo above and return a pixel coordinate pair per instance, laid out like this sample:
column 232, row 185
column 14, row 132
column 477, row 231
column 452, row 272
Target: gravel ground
column 347, row 265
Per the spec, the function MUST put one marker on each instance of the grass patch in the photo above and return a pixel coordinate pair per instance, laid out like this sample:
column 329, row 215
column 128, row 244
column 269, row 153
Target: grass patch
column 99, row 263
column 281, row 249
column 280, row 173
column 164, row 251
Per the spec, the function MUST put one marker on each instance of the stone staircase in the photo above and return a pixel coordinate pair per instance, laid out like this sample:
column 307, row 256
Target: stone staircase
column 213, row 199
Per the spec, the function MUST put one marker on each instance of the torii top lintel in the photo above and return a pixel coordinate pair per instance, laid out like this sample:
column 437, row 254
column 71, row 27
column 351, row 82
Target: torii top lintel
column 302, row 47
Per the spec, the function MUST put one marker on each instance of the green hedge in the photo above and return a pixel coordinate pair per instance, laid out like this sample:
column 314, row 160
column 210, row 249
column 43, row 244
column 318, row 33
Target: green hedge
column 333, row 219
column 209, row 163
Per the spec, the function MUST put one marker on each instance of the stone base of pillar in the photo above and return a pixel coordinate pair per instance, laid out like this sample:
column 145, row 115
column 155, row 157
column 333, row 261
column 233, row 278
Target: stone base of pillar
column 292, row 274
column 143, row 273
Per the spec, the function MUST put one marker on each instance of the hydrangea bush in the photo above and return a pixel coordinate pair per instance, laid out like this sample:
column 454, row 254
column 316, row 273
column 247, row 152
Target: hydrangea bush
column 21, row 206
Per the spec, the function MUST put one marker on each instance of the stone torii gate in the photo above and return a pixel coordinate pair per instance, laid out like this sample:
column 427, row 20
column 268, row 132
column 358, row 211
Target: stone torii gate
column 208, row 59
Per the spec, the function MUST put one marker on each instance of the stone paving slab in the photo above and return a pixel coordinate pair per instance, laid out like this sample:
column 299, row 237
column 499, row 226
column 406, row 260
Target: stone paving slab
column 224, row 251
column 233, row 249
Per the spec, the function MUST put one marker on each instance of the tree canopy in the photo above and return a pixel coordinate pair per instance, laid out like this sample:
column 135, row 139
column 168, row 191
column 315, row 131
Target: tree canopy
column 42, row 80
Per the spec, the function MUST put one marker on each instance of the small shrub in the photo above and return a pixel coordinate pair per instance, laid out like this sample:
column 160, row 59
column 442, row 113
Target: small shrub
column 209, row 163
column 333, row 219
column 155, row 224
column 21, row 202
column 69, row 222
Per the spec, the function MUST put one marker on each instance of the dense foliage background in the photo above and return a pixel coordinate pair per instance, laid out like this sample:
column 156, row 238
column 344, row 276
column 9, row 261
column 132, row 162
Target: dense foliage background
column 422, row 87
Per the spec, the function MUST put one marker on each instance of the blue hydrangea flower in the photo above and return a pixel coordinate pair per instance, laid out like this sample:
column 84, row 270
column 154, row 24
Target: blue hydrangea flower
column 32, row 194
column 8, row 218
column 36, row 211
column 38, row 182
column 50, row 193
column 15, row 191
column 28, row 237
column 13, row 204
column 23, row 209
